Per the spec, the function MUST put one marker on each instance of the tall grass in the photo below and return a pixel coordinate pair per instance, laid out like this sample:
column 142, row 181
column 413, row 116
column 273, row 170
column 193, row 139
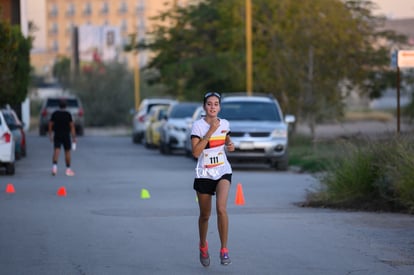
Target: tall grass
column 310, row 156
column 374, row 175
column 401, row 169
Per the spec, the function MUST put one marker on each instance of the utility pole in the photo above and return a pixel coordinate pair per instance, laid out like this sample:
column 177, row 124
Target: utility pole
column 135, row 52
column 249, row 59
column 398, row 101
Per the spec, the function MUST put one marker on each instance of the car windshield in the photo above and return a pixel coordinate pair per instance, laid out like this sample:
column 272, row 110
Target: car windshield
column 10, row 121
column 70, row 103
column 242, row 110
column 162, row 114
column 182, row 110
column 155, row 104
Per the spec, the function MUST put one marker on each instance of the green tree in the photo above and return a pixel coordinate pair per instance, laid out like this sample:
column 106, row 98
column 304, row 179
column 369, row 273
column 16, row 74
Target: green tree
column 61, row 71
column 309, row 54
column 202, row 49
column 14, row 64
column 316, row 53
column 106, row 92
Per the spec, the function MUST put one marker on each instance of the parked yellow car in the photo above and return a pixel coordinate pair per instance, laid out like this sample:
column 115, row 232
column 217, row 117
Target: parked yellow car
column 155, row 120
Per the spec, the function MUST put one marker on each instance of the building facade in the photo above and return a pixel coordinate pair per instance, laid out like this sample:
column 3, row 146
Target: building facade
column 55, row 19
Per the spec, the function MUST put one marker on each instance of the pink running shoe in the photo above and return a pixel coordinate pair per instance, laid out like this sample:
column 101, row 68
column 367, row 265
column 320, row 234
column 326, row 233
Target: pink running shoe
column 224, row 256
column 54, row 171
column 204, row 256
column 69, row 172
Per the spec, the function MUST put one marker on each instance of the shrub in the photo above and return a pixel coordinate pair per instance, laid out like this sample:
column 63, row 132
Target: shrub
column 107, row 94
column 374, row 175
column 401, row 169
column 308, row 155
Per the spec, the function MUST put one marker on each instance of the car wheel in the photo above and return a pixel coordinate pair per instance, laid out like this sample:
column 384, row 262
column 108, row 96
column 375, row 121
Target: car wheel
column 10, row 168
column 162, row 148
column 148, row 145
column 282, row 163
column 135, row 139
column 80, row 131
column 165, row 148
column 42, row 131
column 17, row 155
column 168, row 149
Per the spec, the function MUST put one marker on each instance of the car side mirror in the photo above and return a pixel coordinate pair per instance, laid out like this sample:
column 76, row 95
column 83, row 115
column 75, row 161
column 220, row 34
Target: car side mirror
column 290, row 119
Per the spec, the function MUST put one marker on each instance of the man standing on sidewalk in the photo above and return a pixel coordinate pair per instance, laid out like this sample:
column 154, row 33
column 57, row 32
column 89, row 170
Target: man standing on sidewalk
column 61, row 128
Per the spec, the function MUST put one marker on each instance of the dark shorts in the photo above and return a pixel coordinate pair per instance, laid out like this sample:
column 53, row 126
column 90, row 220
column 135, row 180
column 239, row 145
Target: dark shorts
column 208, row 186
column 62, row 141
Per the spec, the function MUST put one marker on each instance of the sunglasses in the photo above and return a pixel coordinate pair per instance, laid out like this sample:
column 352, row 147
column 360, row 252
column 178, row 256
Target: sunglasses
column 212, row 94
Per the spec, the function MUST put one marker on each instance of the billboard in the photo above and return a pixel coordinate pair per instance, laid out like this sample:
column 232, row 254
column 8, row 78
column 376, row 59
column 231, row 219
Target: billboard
column 405, row 59
column 99, row 43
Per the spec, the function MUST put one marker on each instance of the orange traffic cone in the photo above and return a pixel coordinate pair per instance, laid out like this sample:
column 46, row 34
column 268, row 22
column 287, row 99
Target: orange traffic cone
column 10, row 188
column 62, row 192
column 239, row 195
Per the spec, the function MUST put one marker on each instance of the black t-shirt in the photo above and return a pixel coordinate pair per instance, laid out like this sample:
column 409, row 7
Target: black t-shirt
column 61, row 122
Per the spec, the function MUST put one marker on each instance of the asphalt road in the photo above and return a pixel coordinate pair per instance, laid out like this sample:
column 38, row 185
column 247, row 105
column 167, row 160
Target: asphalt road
column 104, row 226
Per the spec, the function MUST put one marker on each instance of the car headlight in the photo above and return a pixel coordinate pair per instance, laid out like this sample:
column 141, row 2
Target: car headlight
column 171, row 127
column 279, row 133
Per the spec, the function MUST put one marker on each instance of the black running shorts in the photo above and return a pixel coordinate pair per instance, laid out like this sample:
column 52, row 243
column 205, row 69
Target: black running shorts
column 62, row 141
column 208, row 186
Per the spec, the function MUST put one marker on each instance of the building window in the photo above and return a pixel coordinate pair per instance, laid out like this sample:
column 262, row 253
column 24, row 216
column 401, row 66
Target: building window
column 70, row 10
column 55, row 46
column 123, row 8
column 53, row 12
column 140, row 9
column 105, row 8
column 69, row 45
column 54, row 28
column 69, row 27
column 87, row 10
column 124, row 25
column 141, row 23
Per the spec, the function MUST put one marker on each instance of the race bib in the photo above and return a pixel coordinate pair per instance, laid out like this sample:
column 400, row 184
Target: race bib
column 213, row 158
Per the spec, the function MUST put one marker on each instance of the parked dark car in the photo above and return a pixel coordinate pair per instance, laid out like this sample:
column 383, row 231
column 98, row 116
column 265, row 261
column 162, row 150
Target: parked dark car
column 51, row 104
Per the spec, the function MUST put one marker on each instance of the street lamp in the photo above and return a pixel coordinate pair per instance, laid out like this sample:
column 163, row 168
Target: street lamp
column 249, row 59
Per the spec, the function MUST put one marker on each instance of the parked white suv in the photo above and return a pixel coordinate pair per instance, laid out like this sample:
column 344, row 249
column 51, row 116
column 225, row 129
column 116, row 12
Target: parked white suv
column 173, row 131
column 258, row 128
column 198, row 114
column 139, row 120
column 7, row 147
column 73, row 106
